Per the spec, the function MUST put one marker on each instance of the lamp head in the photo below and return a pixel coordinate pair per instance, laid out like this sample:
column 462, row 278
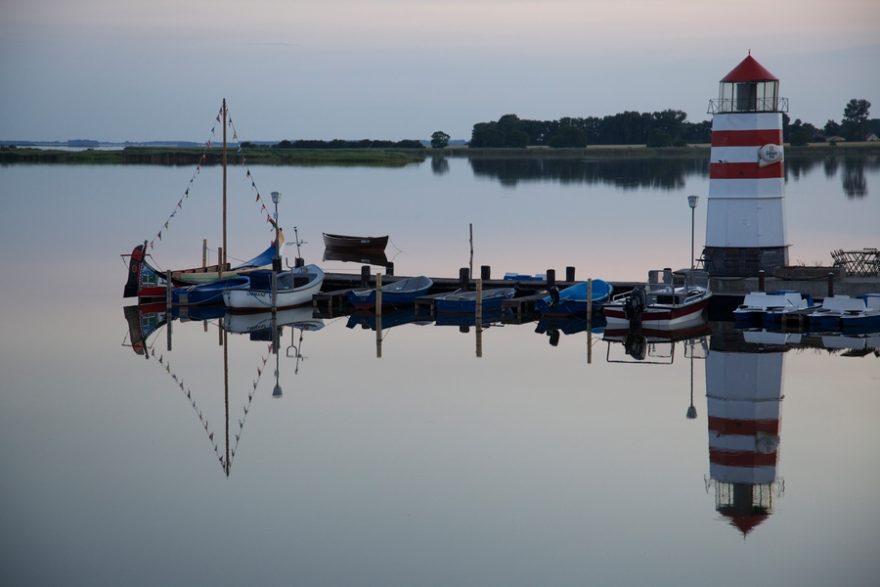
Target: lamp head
column 277, row 196
column 692, row 201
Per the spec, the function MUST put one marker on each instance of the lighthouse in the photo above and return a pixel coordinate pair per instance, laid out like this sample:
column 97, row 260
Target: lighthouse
column 745, row 224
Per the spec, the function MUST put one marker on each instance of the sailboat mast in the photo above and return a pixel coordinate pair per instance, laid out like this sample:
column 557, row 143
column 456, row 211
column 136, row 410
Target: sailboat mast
column 223, row 260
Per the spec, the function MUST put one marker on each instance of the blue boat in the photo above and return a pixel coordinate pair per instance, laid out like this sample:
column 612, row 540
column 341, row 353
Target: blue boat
column 769, row 307
column 400, row 292
column 463, row 301
column 207, row 293
column 573, row 300
column 866, row 320
column 827, row 317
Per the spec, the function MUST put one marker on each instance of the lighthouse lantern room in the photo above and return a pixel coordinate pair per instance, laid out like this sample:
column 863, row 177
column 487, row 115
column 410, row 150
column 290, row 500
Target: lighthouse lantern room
column 745, row 225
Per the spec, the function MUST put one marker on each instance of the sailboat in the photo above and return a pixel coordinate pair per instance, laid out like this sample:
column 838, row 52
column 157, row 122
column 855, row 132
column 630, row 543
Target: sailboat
column 146, row 282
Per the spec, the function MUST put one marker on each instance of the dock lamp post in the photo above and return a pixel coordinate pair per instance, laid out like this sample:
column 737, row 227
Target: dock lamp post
column 276, row 260
column 692, row 202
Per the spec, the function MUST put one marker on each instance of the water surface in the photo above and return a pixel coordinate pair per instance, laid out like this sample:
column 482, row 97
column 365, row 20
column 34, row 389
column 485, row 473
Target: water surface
column 526, row 466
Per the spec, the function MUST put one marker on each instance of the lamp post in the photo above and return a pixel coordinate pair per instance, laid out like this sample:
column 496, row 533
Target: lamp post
column 692, row 202
column 276, row 260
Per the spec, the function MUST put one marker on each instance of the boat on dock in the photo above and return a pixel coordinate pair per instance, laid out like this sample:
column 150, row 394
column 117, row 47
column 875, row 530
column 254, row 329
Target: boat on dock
column 866, row 320
column 207, row 293
column 827, row 317
column 573, row 299
column 346, row 242
column 465, row 301
column 770, row 308
column 661, row 303
column 294, row 287
column 402, row 291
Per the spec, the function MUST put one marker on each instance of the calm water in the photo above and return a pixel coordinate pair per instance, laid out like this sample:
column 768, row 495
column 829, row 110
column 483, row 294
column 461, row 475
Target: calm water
column 429, row 466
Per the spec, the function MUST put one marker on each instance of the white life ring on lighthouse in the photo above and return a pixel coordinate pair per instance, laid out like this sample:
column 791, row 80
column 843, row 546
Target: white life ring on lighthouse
column 769, row 154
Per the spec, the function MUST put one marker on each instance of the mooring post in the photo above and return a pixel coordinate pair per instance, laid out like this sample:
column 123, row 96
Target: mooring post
column 464, row 278
column 365, row 275
column 479, row 317
column 389, row 268
column 471, row 265
column 589, row 320
column 485, row 272
column 569, row 273
column 204, row 253
column 378, row 315
column 168, row 317
column 761, row 280
column 830, row 284
column 551, row 278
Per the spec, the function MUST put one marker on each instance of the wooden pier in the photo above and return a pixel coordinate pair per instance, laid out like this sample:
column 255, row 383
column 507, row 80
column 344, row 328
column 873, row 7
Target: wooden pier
column 331, row 301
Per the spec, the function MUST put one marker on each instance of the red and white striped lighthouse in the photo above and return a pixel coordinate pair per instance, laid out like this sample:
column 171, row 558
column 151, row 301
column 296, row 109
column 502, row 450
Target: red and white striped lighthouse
column 745, row 225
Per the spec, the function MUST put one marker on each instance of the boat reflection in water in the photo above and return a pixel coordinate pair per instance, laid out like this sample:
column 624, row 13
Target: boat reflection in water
column 364, row 257
column 744, row 396
column 646, row 345
column 145, row 320
column 554, row 326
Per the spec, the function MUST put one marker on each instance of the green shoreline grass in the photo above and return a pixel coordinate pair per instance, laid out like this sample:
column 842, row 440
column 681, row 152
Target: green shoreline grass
column 383, row 157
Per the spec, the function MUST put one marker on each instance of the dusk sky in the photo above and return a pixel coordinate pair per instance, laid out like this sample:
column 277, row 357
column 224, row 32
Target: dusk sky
column 395, row 69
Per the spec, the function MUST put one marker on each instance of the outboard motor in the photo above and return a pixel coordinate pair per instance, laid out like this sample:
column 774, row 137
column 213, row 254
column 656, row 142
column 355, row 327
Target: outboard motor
column 635, row 304
column 636, row 345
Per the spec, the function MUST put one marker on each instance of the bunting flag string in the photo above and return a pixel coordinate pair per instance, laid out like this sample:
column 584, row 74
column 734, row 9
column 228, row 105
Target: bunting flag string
column 246, row 408
column 248, row 173
column 202, row 159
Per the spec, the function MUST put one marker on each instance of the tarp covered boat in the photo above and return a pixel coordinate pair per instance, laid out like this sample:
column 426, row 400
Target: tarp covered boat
column 573, row 300
column 402, row 291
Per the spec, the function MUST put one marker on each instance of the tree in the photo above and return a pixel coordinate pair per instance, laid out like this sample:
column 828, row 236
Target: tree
column 439, row 140
column 831, row 129
column 800, row 133
column 855, row 115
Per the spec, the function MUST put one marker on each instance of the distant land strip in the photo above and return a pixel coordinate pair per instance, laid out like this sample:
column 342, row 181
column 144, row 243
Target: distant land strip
column 381, row 157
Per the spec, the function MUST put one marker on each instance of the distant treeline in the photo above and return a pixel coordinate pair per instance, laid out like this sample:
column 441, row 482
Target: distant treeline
column 654, row 129
column 342, row 144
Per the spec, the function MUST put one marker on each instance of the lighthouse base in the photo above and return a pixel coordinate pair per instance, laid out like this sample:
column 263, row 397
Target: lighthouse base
column 743, row 261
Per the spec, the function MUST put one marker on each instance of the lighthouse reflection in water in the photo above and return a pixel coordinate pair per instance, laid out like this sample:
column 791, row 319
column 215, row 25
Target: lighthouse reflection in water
column 743, row 397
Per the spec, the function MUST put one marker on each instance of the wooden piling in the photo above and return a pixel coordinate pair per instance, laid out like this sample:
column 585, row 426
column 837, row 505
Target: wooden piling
column 204, row 253
column 365, row 275
column 551, row 278
column 830, row 284
column 589, row 320
column 378, row 315
column 761, row 276
column 479, row 317
column 168, row 317
column 464, row 278
column 471, row 265
column 569, row 273
column 485, row 272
